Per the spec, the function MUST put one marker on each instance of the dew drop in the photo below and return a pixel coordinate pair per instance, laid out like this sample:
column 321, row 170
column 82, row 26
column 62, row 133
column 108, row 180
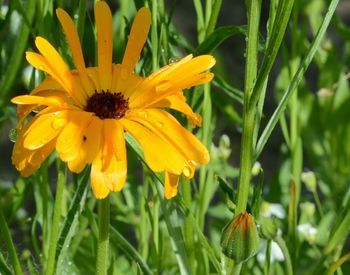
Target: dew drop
column 173, row 59
column 63, row 141
column 159, row 124
column 192, row 162
column 143, row 114
column 186, row 171
column 57, row 123
column 44, row 140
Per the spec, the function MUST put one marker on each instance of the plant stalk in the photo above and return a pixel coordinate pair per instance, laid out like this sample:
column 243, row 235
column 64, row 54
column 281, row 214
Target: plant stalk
column 246, row 154
column 103, row 236
column 56, row 217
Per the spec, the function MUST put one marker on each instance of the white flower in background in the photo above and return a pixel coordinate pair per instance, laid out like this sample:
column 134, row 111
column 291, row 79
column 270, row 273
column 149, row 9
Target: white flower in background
column 307, row 231
column 276, row 252
column 223, row 150
column 272, row 209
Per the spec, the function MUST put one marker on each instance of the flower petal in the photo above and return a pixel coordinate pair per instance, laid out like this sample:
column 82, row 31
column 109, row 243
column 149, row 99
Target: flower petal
column 88, row 145
column 136, row 40
column 45, row 128
column 51, row 62
column 103, row 19
column 187, row 74
column 166, row 126
column 98, row 185
column 37, row 100
column 75, row 46
column 178, row 102
column 171, row 182
column 68, row 141
column 109, row 168
column 159, row 154
column 25, row 160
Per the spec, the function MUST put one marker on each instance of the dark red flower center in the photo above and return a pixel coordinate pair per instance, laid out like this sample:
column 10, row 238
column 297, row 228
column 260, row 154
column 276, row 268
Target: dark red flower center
column 107, row 105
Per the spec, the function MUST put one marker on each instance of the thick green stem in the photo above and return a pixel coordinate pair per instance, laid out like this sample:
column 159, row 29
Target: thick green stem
column 246, row 154
column 189, row 237
column 56, row 218
column 103, row 236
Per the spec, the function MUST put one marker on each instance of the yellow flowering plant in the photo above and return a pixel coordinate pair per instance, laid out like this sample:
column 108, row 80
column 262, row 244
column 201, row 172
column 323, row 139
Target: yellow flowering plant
column 126, row 143
column 84, row 112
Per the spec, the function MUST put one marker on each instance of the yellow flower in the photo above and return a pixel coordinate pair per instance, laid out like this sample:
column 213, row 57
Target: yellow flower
column 83, row 113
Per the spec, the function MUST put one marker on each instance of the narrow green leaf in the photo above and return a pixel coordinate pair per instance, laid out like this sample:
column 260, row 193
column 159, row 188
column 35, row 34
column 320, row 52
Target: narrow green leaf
column 279, row 27
column 296, row 79
column 71, row 221
column 6, row 237
column 230, row 91
column 17, row 56
column 3, row 266
column 340, row 230
column 220, row 35
column 117, row 239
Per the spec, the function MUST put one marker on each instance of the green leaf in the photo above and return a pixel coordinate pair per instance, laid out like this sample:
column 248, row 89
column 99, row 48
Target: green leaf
column 233, row 93
column 71, row 221
column 17, row 56
column 295, row 81
column 220, row 35
column 118, row 240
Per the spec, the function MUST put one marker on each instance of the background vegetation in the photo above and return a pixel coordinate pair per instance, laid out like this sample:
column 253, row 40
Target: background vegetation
column 283, row 82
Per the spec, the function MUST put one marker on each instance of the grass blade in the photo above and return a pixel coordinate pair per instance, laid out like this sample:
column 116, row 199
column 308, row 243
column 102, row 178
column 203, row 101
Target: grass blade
column 296, row 79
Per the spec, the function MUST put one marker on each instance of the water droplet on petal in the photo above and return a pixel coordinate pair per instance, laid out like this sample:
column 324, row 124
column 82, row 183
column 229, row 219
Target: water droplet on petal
column 159, row 124
column 186, row 171
column 63, row 141
column 192, row 162
column 173, row 59
column 58, row 123
column 143, row 114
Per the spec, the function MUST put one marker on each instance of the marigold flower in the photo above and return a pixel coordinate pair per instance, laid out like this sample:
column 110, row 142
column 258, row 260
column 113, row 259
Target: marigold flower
column 83, row 113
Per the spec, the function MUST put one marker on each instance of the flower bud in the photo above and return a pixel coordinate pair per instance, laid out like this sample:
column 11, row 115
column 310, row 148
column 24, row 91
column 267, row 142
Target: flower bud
column 309, row 179
column 239, row 239
column 256, row 168
column 267, row 228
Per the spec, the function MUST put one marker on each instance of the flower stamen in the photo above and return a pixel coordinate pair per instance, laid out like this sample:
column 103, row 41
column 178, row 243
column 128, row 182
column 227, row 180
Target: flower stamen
column 107, row 105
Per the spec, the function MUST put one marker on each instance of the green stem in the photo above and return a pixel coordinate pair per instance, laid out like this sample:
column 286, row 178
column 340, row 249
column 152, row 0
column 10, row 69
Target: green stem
column 246, row 154
column 154, row 36
column 56, row 217
column 284, row 248
column 103, row 236
column 318, row 203
column 267, row 258
column 236, row 270
column 6, row 236
column 189, row 237
column 214, row 17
